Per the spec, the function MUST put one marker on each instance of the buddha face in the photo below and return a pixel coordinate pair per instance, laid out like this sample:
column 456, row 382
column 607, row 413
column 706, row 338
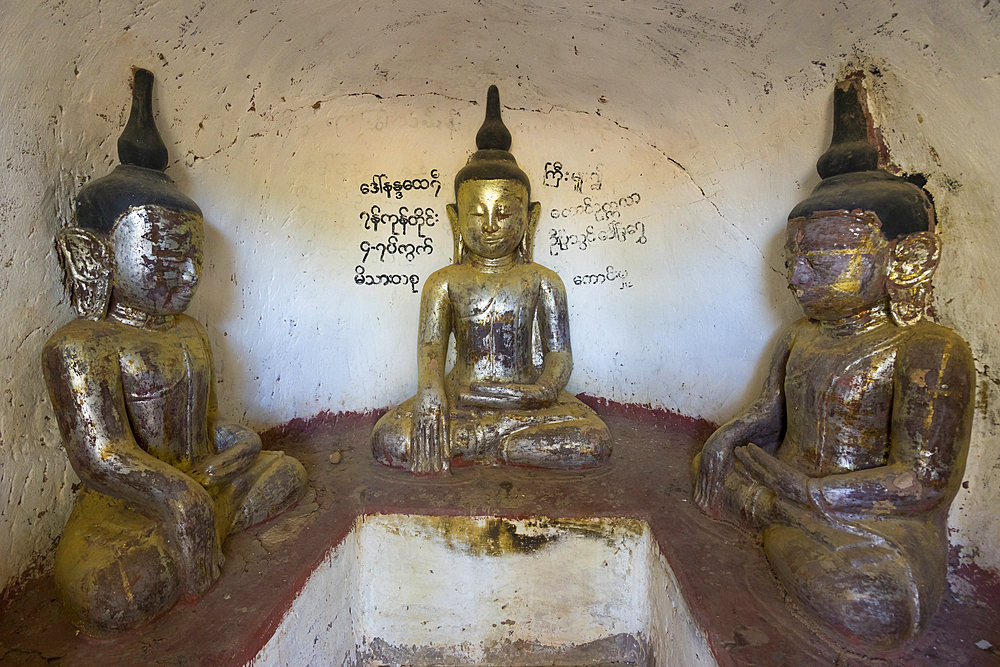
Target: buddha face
column 493, row 216
column 837, row 263
column 158, row 258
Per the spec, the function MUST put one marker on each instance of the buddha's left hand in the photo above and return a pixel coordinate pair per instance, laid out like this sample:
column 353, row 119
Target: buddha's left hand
column 238, row 455
column 776, row 475
column 527, row 396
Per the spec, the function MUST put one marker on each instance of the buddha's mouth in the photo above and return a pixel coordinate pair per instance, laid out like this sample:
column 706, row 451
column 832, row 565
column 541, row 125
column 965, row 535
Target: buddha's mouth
column 493, row 239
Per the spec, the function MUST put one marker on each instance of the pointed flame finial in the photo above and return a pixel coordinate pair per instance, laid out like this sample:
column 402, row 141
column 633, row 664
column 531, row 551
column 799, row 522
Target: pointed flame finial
column 140, row 143
column 493, row 135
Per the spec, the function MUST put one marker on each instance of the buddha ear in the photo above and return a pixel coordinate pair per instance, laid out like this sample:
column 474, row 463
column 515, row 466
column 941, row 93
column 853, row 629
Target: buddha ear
column 528, row 242
column 456, row 233
column 87, row 260
column 914, row 260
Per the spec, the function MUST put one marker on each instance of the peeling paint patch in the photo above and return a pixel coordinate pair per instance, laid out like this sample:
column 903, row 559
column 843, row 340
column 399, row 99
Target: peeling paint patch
column 496, row 537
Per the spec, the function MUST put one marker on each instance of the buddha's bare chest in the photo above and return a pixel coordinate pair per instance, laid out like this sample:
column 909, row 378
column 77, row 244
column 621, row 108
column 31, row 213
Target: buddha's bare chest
column 165, row 379
column 485, row 311
column 838, row 397
column 493, row 330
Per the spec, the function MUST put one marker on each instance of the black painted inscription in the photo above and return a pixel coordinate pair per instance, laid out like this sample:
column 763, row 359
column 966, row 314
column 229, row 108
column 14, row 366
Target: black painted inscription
column 609, row 210
column 555, row 177
column 382, row 184
column 401, row 220
column 400, row 234
column 362, row 278
column 608, row 276
column 560, row 240
column 392, row 246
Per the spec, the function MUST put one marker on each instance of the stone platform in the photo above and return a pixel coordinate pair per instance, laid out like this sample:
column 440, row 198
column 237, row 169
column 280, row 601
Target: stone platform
column 728, row 590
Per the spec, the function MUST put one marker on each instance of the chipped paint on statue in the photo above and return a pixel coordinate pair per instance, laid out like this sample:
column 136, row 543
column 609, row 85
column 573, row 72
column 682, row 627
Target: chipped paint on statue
column 132, row 383
column 847, row 462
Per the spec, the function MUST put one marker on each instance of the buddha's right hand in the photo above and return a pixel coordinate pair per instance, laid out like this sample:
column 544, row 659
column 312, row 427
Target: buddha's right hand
column 191, row 517
column 430, row 446
column 715, row 464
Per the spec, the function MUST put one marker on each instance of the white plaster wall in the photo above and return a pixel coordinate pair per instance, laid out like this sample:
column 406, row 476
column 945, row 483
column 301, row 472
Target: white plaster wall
column 276, row 113
column 442, row 592
column 405, row 589
column 318, row 629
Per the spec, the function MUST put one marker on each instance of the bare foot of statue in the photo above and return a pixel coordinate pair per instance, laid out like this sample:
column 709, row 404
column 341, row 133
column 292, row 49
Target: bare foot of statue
column 496, row 405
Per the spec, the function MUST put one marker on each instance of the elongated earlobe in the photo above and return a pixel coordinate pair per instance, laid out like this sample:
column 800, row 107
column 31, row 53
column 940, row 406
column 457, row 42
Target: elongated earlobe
column 456, row 233
column 528, row 242
column 87, row 260
column 914, row 261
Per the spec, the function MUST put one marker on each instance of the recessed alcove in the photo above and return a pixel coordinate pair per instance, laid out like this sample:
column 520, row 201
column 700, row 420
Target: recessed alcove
column 458, row 590
column 704, row 118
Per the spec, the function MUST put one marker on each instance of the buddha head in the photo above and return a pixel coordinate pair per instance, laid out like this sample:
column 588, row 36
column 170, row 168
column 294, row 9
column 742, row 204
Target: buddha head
column 137, row 241
column 493, row 216
column 864, row 235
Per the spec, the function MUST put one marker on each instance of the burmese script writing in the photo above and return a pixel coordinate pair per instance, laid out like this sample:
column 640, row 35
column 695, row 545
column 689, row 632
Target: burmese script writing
column 398, row 234
column 608, row 276
column 382, row 184
column 555, row 176
column 561, row 240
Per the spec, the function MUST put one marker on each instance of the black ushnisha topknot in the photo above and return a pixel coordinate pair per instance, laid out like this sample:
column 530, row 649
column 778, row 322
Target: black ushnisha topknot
column 852, row 178
column 493, row 135
column 140, row 179
column 493, row 158
column 140, row 143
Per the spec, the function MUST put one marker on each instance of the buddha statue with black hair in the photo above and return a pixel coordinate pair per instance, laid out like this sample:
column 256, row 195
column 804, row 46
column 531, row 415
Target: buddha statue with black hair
column 165, row 477
column 504, row 401
column 846, row 464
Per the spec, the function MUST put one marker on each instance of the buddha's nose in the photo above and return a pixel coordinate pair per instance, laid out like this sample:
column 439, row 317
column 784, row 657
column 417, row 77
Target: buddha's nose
column 190, row 271
column 491, row 223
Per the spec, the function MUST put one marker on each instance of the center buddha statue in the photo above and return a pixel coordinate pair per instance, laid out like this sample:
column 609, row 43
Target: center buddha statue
column 166, row 477
column 496, row 406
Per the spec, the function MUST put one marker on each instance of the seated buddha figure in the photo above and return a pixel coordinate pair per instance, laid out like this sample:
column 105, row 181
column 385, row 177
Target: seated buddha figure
column 847, row 462
column 165, row 477
column 495, row 406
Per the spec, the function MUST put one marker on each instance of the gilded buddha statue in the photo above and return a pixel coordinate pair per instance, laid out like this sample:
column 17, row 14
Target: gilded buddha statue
column 496, row 405
column 166, row 478
column 847, row 462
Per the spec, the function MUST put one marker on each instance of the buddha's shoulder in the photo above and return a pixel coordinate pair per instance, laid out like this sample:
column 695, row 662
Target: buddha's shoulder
column 186, row 322
column 457, row 273
column 82, row 339
column 82, row 330
column 931, row 341
column 543, row 273
column 800, row 328
column 444, row 275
